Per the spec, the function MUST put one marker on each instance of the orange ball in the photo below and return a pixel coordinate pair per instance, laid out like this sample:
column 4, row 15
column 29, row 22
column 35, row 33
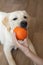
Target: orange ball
column 21, row 33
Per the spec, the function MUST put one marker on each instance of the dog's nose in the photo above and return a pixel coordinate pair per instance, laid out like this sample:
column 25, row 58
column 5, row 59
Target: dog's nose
column 23, row 24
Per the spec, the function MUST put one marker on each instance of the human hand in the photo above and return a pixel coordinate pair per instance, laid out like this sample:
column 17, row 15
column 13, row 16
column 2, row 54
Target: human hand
column 22, row 45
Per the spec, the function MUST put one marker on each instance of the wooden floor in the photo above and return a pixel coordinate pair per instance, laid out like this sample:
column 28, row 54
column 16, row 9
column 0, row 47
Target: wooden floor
column 35, row 10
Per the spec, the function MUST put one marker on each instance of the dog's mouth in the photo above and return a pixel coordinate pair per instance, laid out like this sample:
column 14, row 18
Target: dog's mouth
column 23, row 27
column 10, row 29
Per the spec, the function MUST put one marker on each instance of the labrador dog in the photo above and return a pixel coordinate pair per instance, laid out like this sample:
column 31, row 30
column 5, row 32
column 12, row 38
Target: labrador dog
column 8, row 21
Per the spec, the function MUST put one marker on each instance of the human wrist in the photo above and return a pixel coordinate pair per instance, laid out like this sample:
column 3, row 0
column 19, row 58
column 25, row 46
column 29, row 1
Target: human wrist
column 28, row 53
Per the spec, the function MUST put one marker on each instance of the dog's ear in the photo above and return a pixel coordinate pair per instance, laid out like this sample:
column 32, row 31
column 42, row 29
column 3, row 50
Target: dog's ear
column 6, row 23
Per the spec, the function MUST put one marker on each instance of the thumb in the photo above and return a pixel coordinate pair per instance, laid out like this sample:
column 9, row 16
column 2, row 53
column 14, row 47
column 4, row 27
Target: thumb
column 25, row 42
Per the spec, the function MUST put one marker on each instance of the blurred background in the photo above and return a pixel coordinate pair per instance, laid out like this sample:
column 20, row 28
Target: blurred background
column 35, row 9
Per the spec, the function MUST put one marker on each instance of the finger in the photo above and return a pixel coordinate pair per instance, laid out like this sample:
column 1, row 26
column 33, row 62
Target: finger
column 14, row 36
column 22, row 47
column 15, row 40
column 21, row 42
column 25, row 42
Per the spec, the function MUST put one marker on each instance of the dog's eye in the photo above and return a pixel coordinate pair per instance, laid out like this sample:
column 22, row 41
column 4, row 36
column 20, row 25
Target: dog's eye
column 25, row 17
column 15, row 19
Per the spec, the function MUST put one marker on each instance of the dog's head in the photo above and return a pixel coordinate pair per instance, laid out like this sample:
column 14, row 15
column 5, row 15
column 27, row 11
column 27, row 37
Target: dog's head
column 17, row 18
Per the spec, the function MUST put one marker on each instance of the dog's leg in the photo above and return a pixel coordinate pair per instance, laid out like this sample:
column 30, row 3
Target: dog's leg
column 31, row 47
column 7, row 51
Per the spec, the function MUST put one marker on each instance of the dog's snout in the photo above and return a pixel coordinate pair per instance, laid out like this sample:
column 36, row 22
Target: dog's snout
column 23, row 24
